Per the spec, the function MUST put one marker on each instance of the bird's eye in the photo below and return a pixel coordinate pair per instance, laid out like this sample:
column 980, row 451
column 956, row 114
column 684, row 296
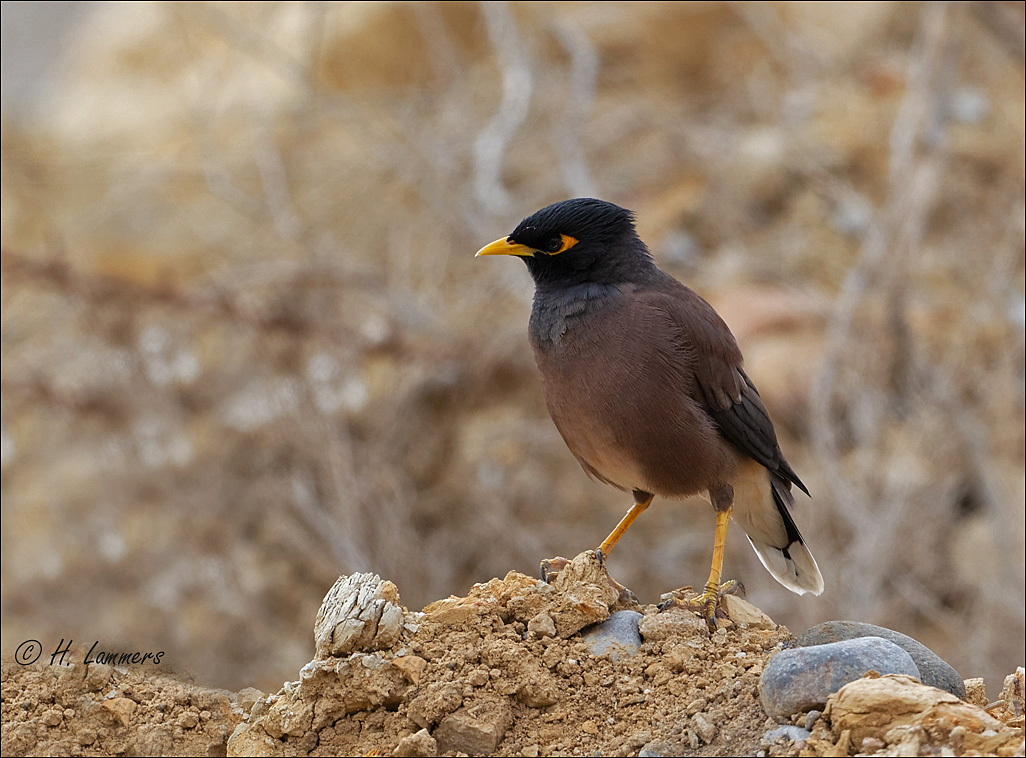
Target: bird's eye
column 554, row 243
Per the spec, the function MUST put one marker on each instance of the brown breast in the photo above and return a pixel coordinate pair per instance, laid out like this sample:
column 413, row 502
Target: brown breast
column 619, row 384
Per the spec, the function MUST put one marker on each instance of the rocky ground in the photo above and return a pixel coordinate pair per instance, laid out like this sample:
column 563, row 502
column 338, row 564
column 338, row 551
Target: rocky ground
column 516, row 667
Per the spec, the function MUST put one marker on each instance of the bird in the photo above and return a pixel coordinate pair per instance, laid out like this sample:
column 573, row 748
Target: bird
column 646, row 385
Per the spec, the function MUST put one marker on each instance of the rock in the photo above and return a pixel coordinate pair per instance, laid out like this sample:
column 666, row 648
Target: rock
column 976, row 691
column 418, row 745
column 903, row 712
column 542, row 625
column 360, row 613
column 97, row 676
column 1013, row 693
column 188, row 720
column 412, row 666
column 246, row 741
column 248, row 697
column 121, row 708
column 675, row 622
column 800, row 679
column 933, row 670
column 704, row 728
column 618, row 636
column 1012, row 701
column 584, row 594
column 787, row 732
column 745, row 614
column 439, row 699
column 460, row 611
column 539, row 691
column 476, row 730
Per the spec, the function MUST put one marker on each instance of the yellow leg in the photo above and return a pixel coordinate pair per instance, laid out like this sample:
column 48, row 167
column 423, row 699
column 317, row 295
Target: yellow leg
column 707, row 603
column 625, row 523
column 720, row 541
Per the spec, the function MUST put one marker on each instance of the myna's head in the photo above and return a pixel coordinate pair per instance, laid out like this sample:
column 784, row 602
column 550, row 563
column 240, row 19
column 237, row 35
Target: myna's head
column 577, row 241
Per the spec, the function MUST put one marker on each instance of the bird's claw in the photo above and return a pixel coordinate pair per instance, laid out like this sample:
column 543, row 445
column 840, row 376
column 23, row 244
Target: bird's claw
column 708, row 604
column 551, row 567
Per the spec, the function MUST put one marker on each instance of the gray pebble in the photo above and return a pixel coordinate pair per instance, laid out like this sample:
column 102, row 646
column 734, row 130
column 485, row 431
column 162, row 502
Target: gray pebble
column 788, row 731
column 617, row 636
column 933, row 670
column 800, row 679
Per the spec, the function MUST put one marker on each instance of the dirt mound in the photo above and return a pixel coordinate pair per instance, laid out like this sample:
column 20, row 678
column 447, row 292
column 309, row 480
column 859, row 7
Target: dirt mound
column 96, row 709
column 504, row 670
column 513, row 668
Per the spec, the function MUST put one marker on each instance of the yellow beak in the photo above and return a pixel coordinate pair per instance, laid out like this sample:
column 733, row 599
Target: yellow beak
column 505, row 247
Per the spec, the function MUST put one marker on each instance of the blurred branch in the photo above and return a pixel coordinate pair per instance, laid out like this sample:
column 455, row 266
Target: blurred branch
column 441, row 48
column 584, row 64
column 106, row 289
column 517, row 85
column 868, row 496
column 789, row 49
column 1005, row 22
column 257, row 46
column 274, row 179
column 915, row 163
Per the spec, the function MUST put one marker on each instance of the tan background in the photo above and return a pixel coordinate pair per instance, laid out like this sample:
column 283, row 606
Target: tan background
column 246, row 346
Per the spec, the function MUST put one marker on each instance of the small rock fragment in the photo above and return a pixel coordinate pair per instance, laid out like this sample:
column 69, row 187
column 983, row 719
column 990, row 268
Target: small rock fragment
column 675, row 622
column 477, row 730
column 704, row 728
column 53, row 717
column 933, row 670
column 539, row 692
column 542, row 625
column 618, row 636
column 976, row 692
column 745, row 614
column 97, row 676
column 412, row 667
column 439, row 699
column 460, row 611
column 477, row 678
column 872, row 744
column 800, row 679
column 584, row 593
column 418, row 745
column 188, row 720
column 639, row 739
column 1012, row 696
column 248, row 696
column 360, row 613
column 121, row 708
column 787, row 732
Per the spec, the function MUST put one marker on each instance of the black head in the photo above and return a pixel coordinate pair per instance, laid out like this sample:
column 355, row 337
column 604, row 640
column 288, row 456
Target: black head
column 578, row 241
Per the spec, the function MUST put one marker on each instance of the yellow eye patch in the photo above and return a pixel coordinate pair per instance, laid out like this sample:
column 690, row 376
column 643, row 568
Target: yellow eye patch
column 568, row 242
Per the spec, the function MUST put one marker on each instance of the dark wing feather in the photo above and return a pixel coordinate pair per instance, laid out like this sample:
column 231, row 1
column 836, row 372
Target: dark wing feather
column 747, row 425
column 721, row 385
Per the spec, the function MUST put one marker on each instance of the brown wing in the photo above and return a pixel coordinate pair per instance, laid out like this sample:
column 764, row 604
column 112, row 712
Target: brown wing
column 721, row 386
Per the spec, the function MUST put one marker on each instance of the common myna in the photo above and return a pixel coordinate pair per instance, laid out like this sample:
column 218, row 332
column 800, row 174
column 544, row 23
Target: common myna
column 645, row 383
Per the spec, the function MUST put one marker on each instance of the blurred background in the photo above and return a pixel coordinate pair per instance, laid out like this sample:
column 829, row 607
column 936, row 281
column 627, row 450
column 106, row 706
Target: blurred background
column 247, row 347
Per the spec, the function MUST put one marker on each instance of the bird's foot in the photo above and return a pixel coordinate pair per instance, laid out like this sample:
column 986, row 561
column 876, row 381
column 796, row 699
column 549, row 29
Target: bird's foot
column 552, row 567
column 708, row 604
